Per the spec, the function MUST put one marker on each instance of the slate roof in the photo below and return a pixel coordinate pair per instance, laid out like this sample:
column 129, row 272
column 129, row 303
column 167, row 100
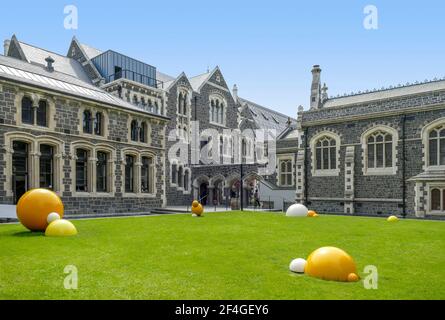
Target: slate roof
column 23, row 72
column 198, row 80
column 62, row 64
column 267, row 118
column 90, row 51
column 385, row 94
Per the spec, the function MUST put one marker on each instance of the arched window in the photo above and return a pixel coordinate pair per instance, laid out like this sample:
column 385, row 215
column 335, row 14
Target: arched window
column 87, row 128
column 98, row 124
column 81, row 170
column 143, row 132
column 20, row 167
column 156, row 108
column 27, row 111
column 180, row 99
column 184, row 104
column 129, row 173
column 436, row 147
column 134, row 130
column 42, row 110
column 102, row 172
column 217, row 110
column 380, row 150
column 147, row 175
column 285, row 166
column 325, row 153
column 46, row 166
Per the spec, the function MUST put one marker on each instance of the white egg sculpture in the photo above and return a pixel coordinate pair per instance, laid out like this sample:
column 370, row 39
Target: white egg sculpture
column 53, row 216
column 297, row 265
column 297, row 210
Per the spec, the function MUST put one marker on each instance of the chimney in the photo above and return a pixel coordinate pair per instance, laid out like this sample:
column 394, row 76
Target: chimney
column 324, row 93
column 49, row 64
column 316, row 87
column 235, row 93
column 7, row 43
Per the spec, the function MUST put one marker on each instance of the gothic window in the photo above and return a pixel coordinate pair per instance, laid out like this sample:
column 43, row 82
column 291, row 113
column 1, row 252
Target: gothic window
column 143, row 132
column 82, row 170
column 436, row 147
column 134, row 130
column 437, row 199
column 285, row 166
column 325, row 153
column 217, row 110
column 180, row 177
column 87, row 128
column 102, row 172
column 27, row 111
column 42, row 110
column 129, row 173
column 380, row 148
column 46, row 166
column 186, row 180
column 98, row 124
column 174, row 173
column 147, row 175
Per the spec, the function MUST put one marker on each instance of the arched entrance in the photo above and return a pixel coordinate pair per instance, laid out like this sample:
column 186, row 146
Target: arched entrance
column 251, row 188
column 201, row 189
column 217, row 192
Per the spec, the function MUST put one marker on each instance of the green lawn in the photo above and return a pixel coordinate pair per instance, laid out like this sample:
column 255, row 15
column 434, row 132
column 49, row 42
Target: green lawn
column 221, row 256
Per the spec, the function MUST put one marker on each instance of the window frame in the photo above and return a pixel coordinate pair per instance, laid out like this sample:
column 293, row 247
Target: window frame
column 313, row 145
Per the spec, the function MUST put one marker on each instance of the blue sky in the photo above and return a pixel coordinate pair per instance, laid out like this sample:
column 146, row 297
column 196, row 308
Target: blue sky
column 266, row 47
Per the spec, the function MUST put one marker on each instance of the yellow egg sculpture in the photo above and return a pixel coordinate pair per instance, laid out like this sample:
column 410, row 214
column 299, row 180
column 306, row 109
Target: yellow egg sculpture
column 60, row 228
column 392, row 219
column 34, row 207
column 197, row 208
column 331, row 263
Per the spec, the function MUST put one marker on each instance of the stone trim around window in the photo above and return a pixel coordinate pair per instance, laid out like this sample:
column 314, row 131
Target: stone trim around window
column 425, row 144
column 35, row 98
column 137, row 173
column 364, row 143
column 325, row 172
column 429, row 188
column 280, row 158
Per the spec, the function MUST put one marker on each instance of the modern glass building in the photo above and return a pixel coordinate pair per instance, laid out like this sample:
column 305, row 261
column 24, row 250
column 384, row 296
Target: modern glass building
column 113, row 65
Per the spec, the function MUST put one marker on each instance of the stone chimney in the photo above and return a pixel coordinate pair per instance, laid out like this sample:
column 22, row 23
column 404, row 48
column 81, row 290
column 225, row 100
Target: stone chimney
column 316, row 87
column 49, row 64
column 6, row 45
column 235, row 93
column 324, row 93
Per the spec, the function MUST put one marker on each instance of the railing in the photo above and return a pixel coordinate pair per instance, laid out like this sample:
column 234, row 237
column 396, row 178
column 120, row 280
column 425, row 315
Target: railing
column 137, row 77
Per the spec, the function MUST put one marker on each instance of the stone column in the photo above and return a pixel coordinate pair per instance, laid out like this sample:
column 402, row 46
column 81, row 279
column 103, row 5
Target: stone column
column 92, row 161
column 137, row 177
column 300, row 179
column 349, row 180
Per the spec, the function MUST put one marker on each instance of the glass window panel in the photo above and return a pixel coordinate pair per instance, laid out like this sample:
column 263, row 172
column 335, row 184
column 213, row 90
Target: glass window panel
column 146, row 175
column 27, row 111
column 388, row 137
column 371, row 155
column 87, row 121
column 101, row 172
column 333, row 163
column 379, row 138
column 82, row 170
column 433, row 152
column 325, row 156
column 433, row 134
column 42, row 114
column 442, row 133
column 289, row 179
column 46, row 166
column 371, row 139
column 318, row 158
column 442, row 152
column 98, row 124
column 388, row 155
column 325, row 143
column 379, row 155
column 129, row 173
column 435, row 199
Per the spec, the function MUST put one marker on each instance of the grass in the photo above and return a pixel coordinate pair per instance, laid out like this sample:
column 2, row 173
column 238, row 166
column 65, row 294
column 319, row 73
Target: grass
column 221, row 256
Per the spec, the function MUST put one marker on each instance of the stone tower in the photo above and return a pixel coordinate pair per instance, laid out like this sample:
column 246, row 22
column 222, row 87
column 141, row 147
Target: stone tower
column 316, row 87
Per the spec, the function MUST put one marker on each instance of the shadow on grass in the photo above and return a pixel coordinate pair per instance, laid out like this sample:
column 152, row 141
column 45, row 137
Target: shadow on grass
column 28, row 234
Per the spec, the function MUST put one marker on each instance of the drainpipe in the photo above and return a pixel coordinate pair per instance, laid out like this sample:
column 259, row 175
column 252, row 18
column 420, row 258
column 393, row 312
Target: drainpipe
column 195, row 114
column 404, row 166
column 306, row 183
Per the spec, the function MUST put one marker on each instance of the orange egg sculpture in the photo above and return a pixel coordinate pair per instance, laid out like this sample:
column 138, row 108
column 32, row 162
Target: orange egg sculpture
column 35, row 205
column 311, row 213
column 197, row 208
column 331, row 263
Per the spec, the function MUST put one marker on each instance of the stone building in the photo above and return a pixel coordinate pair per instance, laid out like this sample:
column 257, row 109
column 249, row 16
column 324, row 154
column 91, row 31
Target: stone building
column 60, row 129
column 373, row 152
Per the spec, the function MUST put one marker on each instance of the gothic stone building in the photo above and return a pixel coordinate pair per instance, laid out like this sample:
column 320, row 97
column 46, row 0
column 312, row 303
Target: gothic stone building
column 60, row 129
column 377, row 152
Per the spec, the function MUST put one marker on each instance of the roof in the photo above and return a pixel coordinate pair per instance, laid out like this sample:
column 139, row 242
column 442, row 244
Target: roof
column 197, row 81
column 267, row 118
column 386, row 93
column 17, row 70
column 62, row 64
column 90, row 51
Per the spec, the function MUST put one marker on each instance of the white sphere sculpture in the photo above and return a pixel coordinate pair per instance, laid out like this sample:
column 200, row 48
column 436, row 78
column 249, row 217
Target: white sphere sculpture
column 52, row 217
column 194, row 215
column 297, row 210
column 297, row 265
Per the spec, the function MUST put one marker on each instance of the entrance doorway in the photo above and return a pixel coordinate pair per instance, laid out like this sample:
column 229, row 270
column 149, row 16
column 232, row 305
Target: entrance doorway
column 204, row 192
column 20, row 179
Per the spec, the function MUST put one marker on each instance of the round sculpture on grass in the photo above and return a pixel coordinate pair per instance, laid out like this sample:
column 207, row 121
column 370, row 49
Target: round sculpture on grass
column 297, row 265
column 34, row 207
column 331, row 263
column 312, row 213
column 297, row 210
column 52, row 217
column 197, row 208
column 392, row 219
column 60, row 228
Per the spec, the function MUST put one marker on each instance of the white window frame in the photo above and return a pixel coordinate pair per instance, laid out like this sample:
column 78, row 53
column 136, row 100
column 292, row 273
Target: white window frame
column 430, row 188
column 426, row 145
column 290, row 158
column 325, row 172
